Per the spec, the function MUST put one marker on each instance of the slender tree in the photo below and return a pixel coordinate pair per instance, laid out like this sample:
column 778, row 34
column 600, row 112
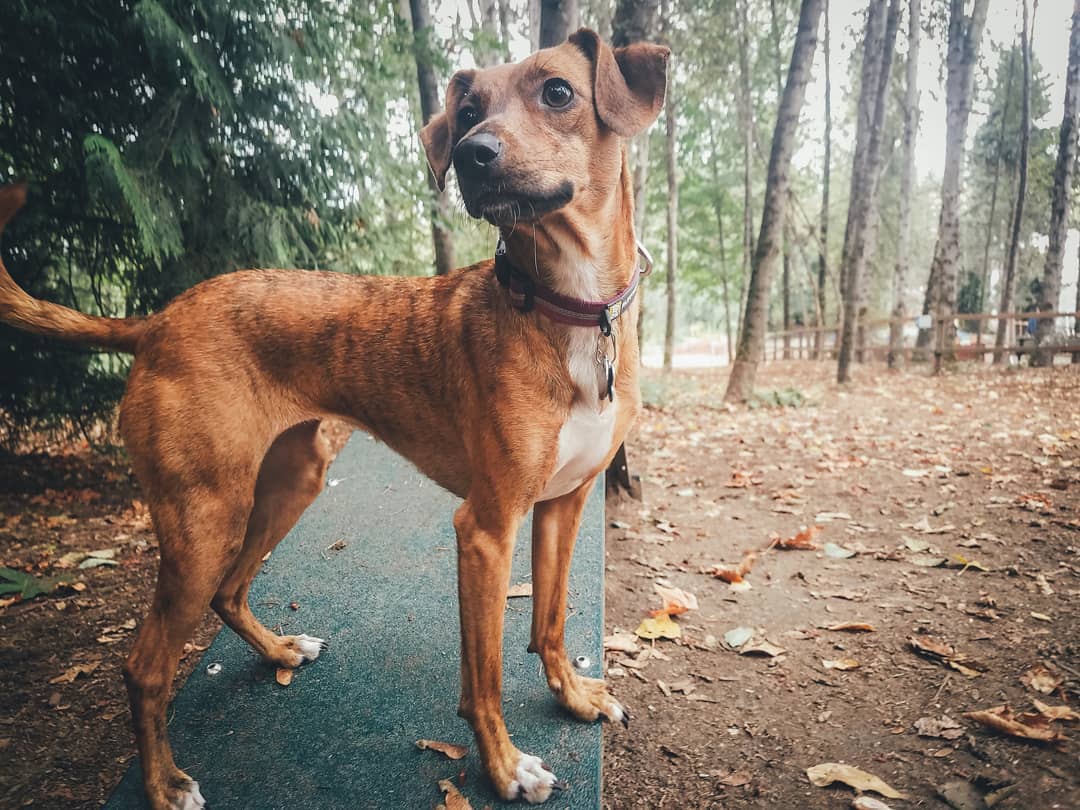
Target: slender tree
column 881, row 25
column 423, row 49
column 558, row 19
column 965, row 34
column 785, row 283
column 823, row 242
column 1009, row 281
column 752, row 339
column 746, row 121
column 984, row 283
column 911, row 127
column 633, row 21
column 636, row 21
column 1059, row 210
column 672, row 203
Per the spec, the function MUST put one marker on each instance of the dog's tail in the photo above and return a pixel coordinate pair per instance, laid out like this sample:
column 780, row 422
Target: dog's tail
column 25, row 312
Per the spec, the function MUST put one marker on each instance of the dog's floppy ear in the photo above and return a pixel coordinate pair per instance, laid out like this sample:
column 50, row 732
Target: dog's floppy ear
column 436, row 139
column 628, row 83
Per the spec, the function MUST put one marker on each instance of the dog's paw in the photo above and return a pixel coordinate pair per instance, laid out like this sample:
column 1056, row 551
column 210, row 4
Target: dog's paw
column 186, row 796
column 532, row 781
column 297, row 650
column 588, row 699
column 308, row 646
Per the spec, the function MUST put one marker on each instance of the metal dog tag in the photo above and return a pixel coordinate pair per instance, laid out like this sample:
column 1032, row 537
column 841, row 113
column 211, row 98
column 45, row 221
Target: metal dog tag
column 606, row 369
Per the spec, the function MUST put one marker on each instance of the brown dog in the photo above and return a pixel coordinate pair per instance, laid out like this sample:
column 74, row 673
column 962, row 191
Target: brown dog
column 471, row 376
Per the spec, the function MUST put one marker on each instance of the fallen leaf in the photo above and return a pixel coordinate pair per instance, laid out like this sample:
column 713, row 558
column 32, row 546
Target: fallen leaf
column 1042, row 679
column 964, row 563
column 1042, row 617
column 621, row 642
column 944, row 727
column 737, row 637
column 451, row 750
column 1026, row 726
column 1053, row 712
column 842, row 664
column 737, row 779
column 803, row 539
column 735, row 575
column 521, row 589
column 284, row 676
column 838, row 552
column 868, row 803
column 829, row 772
column 453, row 800
column 918, row 546
column 941, row 652
column 852, row 627
column 764, row 648
column 676, row 601
column 70, row 674
column 661, row 626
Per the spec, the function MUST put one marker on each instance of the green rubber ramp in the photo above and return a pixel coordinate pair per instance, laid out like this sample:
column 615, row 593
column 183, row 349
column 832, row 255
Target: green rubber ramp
column 342, row 734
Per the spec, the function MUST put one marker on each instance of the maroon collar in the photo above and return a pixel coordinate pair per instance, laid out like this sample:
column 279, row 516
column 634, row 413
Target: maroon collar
column 526, row 294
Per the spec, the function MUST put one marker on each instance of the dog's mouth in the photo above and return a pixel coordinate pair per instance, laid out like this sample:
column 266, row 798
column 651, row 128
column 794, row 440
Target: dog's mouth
column 503, row 206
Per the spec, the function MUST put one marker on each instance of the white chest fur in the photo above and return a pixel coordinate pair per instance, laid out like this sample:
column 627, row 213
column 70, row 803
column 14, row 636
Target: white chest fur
column 585, row 438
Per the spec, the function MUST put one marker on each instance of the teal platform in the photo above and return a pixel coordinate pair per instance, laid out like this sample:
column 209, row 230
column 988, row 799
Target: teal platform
column 342, row 735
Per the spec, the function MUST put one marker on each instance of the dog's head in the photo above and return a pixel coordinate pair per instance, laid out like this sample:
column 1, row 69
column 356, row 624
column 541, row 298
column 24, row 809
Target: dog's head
column 530, row 138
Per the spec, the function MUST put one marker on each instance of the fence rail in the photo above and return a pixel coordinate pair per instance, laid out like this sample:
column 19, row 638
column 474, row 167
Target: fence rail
column 823, row 342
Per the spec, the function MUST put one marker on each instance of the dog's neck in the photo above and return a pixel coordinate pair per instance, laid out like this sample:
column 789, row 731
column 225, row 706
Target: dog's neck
column 590, row 255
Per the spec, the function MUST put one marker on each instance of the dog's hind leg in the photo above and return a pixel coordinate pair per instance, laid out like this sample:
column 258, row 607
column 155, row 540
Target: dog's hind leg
column 199, row 537
column 291, row 476
column 555, row 528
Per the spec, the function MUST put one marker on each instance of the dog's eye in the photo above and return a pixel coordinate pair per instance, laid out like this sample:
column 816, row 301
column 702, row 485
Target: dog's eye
column 468, row 117
column 557, row 93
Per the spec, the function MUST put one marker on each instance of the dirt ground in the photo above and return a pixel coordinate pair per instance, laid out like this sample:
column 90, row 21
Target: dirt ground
column 959, row 496
column 917, row 476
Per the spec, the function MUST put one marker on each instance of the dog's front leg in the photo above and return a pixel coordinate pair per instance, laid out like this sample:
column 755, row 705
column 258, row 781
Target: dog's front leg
column 555, row 528
column 485, row 545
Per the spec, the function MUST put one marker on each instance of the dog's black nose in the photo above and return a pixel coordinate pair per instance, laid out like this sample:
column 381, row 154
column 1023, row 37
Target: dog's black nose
column 478, row 155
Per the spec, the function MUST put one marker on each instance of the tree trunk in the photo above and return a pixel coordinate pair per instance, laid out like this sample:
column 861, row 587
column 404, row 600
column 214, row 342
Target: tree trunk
column 823, row 245
column 558, row 20
column 1009, row 281
column 534, row 25
column 881, row 26
column 429, row 106
column 1059, row 210
column 718, row 207
column 984, row 283
column 746, row 116
column 965, row 33
column 672, row 205
column 785, row 284
column 506, row 18
column 1076, row 318
column 634, row 21
column 907, row 176
column 752, row 341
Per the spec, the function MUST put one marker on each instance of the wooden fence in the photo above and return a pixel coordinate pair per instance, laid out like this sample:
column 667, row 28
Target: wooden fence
column 974, row 343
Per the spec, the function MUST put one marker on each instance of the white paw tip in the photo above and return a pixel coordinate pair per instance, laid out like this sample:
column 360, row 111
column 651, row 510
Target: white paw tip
column 309, row 647
column 192, row 799
column 615, row 713
column 532, row 781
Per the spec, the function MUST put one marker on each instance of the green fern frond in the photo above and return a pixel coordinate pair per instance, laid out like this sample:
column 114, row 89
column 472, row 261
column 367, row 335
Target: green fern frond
column 113, row 184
